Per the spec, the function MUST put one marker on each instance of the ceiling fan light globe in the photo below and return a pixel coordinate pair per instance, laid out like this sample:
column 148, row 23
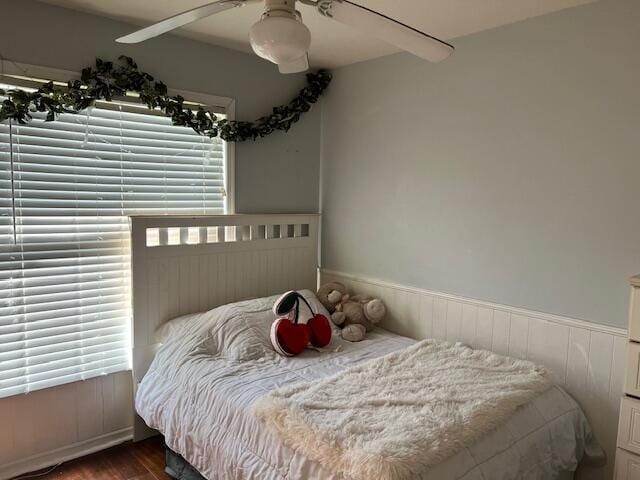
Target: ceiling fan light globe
column 280, row 39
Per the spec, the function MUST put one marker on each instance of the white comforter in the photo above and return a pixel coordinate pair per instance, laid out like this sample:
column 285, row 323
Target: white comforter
column 202, row 404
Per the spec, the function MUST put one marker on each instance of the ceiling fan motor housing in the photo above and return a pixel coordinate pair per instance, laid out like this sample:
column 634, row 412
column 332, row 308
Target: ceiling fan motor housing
column 281, row 5
column 280, row 36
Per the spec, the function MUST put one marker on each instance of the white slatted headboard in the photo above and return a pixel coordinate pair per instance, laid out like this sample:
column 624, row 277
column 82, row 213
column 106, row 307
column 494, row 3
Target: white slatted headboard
column 188, row 264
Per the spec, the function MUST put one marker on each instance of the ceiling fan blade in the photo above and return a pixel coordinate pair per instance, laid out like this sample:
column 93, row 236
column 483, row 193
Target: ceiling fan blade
column 300, row 65
column 180, row 20
column 385, row 28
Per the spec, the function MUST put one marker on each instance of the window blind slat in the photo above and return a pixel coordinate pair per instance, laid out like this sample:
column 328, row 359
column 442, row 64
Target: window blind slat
column 130, row 181
column 105, row 141
column 52, row 326
column 64, row 233
column 34, row 155
column 62, row 318
column 29, row 353
column 66, row 375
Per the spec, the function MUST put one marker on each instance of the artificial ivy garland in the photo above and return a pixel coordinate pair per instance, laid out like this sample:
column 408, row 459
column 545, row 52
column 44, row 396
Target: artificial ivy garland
column 108, row 80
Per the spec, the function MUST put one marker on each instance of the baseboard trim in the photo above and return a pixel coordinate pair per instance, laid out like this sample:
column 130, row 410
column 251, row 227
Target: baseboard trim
column 64, row 454
column 570, row 322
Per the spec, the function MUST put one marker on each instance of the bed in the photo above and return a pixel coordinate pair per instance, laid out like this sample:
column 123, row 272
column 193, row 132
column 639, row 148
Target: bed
column 197, row 385
column 201, row 401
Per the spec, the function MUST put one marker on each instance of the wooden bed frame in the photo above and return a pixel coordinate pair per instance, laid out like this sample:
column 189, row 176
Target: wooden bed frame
column 189, row 264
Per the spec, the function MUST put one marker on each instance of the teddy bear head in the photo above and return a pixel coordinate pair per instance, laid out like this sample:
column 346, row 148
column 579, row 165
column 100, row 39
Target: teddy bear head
column 331, row 295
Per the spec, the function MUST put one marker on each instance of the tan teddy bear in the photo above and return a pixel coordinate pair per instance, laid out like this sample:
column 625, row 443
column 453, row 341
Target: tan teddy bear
column 356, row 315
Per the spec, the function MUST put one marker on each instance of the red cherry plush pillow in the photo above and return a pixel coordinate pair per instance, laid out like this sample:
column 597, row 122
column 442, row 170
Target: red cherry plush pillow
column 289, row 338
column 319, row 331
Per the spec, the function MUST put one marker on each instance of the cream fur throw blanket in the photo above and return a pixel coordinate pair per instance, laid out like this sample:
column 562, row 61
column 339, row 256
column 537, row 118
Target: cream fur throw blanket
column 392, row 417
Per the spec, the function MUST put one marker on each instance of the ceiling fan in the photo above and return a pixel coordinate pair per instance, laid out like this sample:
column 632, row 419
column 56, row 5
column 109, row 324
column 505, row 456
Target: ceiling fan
column 281, row 37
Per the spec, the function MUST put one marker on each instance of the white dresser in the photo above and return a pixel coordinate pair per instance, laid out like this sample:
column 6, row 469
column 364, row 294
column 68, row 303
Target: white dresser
column 628, row 451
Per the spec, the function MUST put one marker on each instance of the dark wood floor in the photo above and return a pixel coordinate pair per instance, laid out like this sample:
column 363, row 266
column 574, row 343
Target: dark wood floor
column 130, row 461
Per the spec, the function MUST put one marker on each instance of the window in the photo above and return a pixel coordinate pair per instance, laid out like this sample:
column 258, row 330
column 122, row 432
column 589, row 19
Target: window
column 67, row 188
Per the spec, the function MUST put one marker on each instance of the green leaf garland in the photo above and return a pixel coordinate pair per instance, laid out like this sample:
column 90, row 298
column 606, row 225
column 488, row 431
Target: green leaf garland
column 108, row 80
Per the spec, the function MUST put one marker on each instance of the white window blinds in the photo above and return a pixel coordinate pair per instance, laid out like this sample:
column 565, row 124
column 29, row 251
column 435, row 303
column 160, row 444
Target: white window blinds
column 67, row 188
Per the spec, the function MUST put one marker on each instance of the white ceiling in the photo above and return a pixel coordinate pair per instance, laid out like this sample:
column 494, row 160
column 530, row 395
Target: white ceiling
column 333, row 44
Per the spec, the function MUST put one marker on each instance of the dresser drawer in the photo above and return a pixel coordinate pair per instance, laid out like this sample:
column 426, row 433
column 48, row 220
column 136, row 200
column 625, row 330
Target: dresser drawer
column 632, row 375
column 634, row 314
column 627, row 465
column 629, row 426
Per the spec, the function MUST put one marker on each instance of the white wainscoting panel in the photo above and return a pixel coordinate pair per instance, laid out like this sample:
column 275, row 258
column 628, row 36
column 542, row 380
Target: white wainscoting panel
column 56, row 424
column 588, row 359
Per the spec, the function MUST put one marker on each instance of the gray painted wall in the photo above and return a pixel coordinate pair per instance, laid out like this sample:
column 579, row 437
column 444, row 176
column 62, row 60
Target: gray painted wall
column 276, row 174
column 509, row 173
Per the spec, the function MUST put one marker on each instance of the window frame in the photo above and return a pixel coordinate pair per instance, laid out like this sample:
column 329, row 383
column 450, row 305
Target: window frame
column 216, row 103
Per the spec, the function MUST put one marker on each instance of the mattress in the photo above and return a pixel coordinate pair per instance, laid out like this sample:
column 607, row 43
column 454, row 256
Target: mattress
column 202, row 404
